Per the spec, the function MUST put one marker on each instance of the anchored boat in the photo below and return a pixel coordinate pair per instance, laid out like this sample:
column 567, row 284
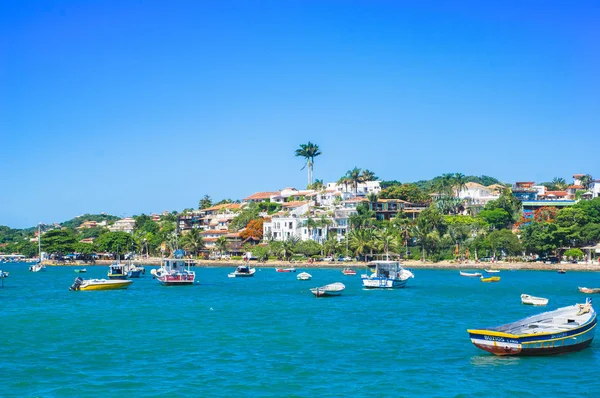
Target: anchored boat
column 386, row 274
column 563, row 330
column 175, row 272
column 471, row 274
column 243, row 271
column 304, row 276
column 490, row 279
column 100, row 284
column 531, row 300
column 333, row 289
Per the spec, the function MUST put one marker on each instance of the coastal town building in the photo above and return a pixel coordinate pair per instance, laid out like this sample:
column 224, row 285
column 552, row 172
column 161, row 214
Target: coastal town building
column 477, row 194
column 362, row 188
column 123, row 225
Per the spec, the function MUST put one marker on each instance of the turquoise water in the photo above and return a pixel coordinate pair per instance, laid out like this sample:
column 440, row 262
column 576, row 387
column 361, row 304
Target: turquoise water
column 268, row 336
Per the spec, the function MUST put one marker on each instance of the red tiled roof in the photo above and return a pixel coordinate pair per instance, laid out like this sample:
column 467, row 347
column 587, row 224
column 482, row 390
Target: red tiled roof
column 262, row 195
column 578, row 175
column 575, row 187
column 294, row 204
column 214, row 232
column 224, row 206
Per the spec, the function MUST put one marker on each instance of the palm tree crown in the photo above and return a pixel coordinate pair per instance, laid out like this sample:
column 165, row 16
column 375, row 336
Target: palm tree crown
column 309, row 152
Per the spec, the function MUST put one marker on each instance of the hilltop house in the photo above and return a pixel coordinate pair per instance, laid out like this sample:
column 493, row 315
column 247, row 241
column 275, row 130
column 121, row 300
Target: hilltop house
column 123, row 225
column 477, row 194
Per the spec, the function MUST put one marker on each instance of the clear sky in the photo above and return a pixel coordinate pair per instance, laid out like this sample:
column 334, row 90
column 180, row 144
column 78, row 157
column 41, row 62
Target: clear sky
column 127, row 107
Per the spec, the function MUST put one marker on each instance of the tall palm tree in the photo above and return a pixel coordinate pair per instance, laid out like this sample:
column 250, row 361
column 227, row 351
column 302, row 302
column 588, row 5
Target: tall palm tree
column 221, row 245
column 460, row 182
column 193, row 241
column 559, row 183
column 420, row 234
column 289, row 246
column 354, row 175
column 309, row 152
column 344, row 180
column 367, row 175
column 586, row 181
column 386, row 241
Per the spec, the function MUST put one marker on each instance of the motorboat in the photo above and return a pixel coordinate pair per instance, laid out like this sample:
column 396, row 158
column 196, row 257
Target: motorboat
column 348, row 271
column 117, row 271
column 292, row 269
column 80, row 270
column 100, row 284
column 531, row 300
column 175, row 272
column 135, row 271
column 243, row 271
column 333, row 289
column 386, row 274
column 589, row 290
column 3, row 274
column 304, row 276
column 37, row 267
column 471, row 274
column 490, row 279
column 563, row 330
column 561, row 271
column 492, row 271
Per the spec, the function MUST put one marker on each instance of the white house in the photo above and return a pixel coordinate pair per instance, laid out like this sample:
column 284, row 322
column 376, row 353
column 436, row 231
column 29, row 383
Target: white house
column 362, row 188
column 123, row 225
column 477, row 194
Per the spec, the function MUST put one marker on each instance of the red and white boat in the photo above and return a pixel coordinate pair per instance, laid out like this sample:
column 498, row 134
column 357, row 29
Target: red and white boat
column 286, row 269
column 348, row 271
column 174, row 272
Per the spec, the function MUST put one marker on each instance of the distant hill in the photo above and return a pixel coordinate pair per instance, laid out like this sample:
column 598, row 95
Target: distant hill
column 77, row 221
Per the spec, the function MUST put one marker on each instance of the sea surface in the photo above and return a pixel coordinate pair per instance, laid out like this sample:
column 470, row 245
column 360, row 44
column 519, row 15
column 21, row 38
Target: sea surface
column 268, row 336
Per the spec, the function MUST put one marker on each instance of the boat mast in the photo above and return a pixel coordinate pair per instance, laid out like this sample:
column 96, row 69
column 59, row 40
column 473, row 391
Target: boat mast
column 40, row 241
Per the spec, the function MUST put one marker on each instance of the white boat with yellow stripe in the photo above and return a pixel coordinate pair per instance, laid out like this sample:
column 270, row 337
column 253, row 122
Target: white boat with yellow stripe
column 100, row 284
column 563, row 330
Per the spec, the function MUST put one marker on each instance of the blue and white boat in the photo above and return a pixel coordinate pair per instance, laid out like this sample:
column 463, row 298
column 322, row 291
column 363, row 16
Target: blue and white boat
column 563, row 330
column 386, row 274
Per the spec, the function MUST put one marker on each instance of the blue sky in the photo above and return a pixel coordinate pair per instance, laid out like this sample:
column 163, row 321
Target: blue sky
column 127, row 107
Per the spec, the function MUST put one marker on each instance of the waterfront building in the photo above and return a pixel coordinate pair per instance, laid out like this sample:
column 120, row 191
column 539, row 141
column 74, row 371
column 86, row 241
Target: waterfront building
column 527, row 190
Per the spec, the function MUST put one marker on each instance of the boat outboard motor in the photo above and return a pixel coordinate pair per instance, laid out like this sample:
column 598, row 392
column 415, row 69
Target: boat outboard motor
column 76, row 284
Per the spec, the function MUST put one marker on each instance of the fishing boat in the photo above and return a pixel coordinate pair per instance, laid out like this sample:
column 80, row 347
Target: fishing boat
column 135, row 271
column 589, row 290
column 471, row 274
column 348, row 271
column 386, row 274
column 531, row 300
column 175, row 272
column 490, row 279
column 492, row 271
column 243, row 271
column 117, row 271
column 39, row 266
column 563, row 330
column 100, row 284
column 561, row 271
column 80, row 270
column 304, row 276
column 333, row 289
column 292, row 269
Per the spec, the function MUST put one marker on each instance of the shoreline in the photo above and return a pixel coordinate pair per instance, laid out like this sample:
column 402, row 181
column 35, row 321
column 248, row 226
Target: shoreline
column 414, row 264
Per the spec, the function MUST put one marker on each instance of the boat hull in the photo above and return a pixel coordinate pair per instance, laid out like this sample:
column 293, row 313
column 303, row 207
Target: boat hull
column 176, row 280
column 383, row 283
column 556, row 341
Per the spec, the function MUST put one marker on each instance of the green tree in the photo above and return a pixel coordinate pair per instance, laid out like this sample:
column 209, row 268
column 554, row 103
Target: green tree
column 309, row 152
column 193, row 242
column 114, row 242
column 222, row 245
column 354, row 176
column 59, row 241
column 504, row 241
column 367, row 175
column 497, row 218
column 205, row 202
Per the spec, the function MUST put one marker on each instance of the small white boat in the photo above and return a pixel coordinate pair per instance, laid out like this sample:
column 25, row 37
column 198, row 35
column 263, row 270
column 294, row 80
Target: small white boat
column 243, row 271
column 37, row 267
column 304, row 276
column 333, row 289
column 292, row 269
column 471, row 274
column 531, row 300
column 492, row 271
column 589, row 290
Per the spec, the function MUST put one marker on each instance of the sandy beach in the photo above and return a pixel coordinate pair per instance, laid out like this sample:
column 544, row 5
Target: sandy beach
column 537, row 266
